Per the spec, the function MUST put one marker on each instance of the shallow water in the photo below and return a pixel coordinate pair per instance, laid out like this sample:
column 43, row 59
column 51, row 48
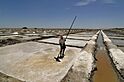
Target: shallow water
column 105, row 71
column 117, row 42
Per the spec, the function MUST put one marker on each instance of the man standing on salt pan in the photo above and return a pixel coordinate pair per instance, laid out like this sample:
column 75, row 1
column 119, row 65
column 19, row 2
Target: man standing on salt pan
column 62, row 46
column 62, row 43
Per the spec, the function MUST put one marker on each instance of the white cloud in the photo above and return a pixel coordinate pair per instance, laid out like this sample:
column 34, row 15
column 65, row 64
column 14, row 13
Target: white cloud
column 87, row 2
column 108, row 1
column 84, row 2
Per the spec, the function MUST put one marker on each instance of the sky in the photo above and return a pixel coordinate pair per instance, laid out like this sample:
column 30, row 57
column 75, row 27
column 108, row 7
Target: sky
column 60, row 13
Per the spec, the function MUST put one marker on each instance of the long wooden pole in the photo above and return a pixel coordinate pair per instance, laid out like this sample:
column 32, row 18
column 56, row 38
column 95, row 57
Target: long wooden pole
column 71, row 26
